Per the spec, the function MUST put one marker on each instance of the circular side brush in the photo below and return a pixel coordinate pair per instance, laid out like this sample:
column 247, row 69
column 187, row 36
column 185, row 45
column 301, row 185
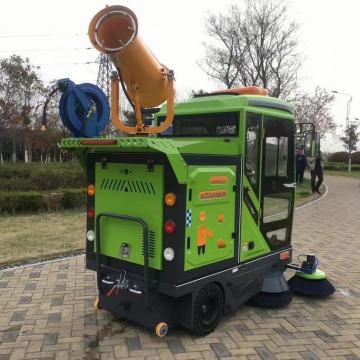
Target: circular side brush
column 314, row 284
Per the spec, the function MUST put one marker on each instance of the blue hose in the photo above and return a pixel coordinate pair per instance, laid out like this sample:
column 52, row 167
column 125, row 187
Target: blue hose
column 84, row 109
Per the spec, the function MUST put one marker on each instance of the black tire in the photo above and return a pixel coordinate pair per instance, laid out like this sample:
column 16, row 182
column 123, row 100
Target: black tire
column 208, row 308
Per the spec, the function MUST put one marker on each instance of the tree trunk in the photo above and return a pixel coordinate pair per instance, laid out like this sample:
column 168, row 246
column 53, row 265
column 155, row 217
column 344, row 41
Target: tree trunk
column 1, row 158
column 41, row 157
column 30, row 153
column 26, row 154
column 349, row 163
column 13, row 150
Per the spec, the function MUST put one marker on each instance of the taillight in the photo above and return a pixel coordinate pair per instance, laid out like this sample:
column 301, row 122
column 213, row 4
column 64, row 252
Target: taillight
column 90, row 213
column 170, row 199
column 169, row 226
column 285, row 255
column 91, row 190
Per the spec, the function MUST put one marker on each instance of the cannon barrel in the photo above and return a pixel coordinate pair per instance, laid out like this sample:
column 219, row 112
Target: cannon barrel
column 114, row 31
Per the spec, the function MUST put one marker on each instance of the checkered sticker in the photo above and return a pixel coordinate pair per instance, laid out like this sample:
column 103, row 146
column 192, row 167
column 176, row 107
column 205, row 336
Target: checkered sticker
column 188, row 217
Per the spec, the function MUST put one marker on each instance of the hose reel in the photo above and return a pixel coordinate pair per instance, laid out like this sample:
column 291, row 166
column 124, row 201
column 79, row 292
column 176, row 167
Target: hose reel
column 84, row 108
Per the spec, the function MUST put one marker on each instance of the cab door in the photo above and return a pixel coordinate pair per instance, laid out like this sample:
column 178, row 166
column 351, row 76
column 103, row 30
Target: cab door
column 278, row 181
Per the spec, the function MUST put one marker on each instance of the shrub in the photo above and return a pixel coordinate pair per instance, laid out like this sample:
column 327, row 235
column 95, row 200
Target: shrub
column 343, row 157
column 338, row 166
column 14, row 202
column 20, row 202
column 41, row 177
column 340, row 156
column 355, row 157
column 74, row 198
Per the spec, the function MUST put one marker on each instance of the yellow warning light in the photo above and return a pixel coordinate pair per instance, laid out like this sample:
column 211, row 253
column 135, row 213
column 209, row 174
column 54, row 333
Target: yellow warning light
column 91, row 190
column 170, row 199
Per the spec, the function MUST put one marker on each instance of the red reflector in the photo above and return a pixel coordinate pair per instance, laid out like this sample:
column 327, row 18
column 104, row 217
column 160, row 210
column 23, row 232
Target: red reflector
column 98, row 142
column 285, row 255
column 90, row 213
column 169, row 226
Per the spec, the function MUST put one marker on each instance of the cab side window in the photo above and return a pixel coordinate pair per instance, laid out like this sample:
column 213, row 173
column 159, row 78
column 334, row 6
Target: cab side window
column 252, row 149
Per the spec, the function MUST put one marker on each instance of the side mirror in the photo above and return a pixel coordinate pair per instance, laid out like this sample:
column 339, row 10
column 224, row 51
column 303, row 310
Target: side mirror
column 312, row 144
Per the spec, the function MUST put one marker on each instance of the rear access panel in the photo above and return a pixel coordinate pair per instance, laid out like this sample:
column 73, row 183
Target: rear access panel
column 133, row 190
column 210, row 215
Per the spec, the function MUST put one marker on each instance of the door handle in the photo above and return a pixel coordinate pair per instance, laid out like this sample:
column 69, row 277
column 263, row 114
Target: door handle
column 290, row 185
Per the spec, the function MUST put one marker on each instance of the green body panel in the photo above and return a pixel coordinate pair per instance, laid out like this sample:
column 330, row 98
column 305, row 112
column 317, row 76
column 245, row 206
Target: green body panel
column 251, row 233
column 129, row 189
column 210, row 201
column 137, row 144
column 150, row 208
column 226, row 103
column 209, row 146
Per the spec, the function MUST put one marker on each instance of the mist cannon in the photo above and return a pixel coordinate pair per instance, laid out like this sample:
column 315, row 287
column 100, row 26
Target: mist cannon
column 147, row 82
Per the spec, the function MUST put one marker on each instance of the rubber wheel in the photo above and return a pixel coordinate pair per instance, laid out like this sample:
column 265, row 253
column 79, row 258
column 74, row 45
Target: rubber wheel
column 161, row 329
column 97, row 304
column 208, row 308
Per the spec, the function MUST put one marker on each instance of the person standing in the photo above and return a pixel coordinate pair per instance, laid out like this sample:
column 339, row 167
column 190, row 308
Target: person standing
column 301, row 164
column 316, row 170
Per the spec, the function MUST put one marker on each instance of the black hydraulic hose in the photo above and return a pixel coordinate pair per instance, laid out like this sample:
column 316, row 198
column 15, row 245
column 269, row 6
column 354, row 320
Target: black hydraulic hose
column 44, row 120
column 124, row 88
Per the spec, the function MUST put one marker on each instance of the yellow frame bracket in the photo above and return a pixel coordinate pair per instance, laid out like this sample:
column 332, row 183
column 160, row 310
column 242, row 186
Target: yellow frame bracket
column 140, row 128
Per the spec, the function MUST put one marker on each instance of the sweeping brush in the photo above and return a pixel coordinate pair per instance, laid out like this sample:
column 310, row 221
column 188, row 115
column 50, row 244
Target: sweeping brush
column 274, row 292
column 271, row 300
column 315, row 284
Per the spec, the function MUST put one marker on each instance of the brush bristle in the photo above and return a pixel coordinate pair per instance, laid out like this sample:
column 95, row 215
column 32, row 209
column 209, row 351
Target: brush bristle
column 271, row 300
column 306, row 287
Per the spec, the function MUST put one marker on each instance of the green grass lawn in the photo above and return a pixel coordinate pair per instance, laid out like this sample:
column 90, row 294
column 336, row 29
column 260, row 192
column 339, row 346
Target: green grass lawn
column 32, row 237
column 352, row 174
column 40, row 236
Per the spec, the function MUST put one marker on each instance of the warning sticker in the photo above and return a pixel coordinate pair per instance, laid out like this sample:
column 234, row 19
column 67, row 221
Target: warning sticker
column 219, row 179
column 214, row 194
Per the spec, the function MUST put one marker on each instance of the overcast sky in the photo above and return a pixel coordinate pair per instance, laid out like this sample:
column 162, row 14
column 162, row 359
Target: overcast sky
column 53, row 35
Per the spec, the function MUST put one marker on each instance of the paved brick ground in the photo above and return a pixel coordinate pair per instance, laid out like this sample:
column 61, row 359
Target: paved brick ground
column 46, row 311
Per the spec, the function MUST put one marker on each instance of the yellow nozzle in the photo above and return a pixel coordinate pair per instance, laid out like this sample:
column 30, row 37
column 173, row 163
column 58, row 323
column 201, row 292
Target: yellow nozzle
column 113, row 31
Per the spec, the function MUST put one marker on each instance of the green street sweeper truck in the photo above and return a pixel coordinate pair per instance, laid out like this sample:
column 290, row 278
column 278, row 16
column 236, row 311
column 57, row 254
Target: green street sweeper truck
column 190, row 209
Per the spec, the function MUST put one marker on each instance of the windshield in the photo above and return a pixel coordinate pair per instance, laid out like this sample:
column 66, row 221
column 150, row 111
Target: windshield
column 210, row 125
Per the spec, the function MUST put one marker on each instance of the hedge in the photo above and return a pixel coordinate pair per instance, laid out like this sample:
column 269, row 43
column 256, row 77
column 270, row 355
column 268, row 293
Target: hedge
column 33, row 201
column 339, row 166
column 342, row 156
column 41, row 177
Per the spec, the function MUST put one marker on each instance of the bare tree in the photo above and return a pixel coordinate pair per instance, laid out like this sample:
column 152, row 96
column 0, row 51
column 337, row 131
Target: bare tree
column 350, row 140
column 19, row 86
column 254, row 47
column 316, row 109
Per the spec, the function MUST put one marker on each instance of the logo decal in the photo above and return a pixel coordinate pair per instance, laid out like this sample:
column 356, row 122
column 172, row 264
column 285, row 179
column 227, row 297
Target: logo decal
column 214, row 194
